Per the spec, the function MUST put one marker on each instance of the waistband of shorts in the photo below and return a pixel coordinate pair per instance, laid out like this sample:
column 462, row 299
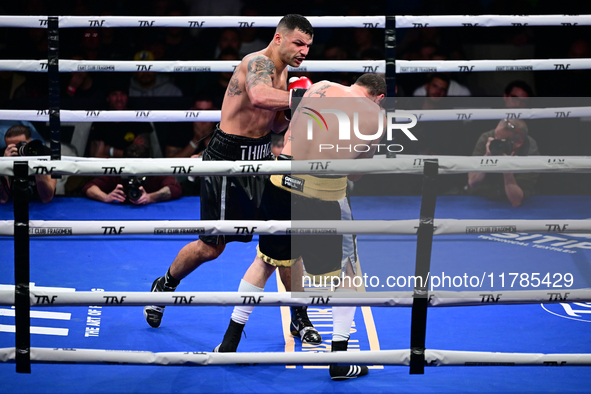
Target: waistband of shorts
column 326, row 189
column 223, row 146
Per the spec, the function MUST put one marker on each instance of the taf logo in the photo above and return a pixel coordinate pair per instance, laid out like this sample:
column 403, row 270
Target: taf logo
column 579, row 311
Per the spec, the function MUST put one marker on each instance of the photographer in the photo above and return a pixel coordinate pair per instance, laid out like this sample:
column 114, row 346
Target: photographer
column 136, row 190
column 18, row 143
column 509, row 138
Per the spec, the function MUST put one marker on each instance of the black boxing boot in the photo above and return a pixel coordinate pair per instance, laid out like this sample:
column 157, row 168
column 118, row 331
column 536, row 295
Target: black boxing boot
column 153, row 313
column 302, row 327
column 344, row 372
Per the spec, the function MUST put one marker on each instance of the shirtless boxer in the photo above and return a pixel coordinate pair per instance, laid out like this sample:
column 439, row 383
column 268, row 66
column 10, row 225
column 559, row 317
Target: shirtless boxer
column 323, row 197
column 253, row 105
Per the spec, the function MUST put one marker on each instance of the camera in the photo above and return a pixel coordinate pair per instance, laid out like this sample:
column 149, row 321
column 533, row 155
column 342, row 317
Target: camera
column 500, row 147
column 33, row 148
column 132, row 185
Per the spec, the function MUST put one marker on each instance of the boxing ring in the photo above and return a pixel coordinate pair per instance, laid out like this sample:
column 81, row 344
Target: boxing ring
column 141, row 346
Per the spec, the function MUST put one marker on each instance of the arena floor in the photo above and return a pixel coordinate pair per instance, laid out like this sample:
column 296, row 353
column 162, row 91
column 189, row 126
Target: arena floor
column 130, row 263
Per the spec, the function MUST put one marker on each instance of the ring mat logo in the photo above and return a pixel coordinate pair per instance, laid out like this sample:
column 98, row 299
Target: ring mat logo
column 579, row 311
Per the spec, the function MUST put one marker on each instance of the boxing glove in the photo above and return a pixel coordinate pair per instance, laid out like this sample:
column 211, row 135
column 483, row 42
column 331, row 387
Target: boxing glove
column 297, row 89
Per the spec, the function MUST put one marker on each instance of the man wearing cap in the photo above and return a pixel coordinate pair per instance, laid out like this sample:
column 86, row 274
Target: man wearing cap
column 149, row 83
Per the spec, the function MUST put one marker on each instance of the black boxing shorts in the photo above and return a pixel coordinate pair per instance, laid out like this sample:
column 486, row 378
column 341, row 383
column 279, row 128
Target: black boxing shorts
column 233, row 197
column 323, row 254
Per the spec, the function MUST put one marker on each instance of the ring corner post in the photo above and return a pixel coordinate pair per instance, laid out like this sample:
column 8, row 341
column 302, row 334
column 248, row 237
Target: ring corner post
column 21, row 268
column 54, row 86
column 422, row 268
column 390, row 57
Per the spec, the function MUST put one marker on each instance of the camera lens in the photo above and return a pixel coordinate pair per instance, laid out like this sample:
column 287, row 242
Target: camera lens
column 500, row 147
column 33, row 148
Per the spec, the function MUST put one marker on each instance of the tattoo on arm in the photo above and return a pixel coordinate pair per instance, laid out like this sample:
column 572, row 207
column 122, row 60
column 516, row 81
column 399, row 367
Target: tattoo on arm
column 320, row 91
column 233, row 87
column 259, row 70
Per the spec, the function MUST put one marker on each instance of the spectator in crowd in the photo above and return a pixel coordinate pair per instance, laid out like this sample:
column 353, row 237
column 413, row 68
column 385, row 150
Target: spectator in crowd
column 41, row 187
column 436, row 87
column 335, row 51
column 215, row 8
column 83, row 90
column 5, row 125
column 110, row 139
column 149, row 83
column 90, row 44
column 229, row 38
column 190, row 139
column 516, row 94
column 250, row 41
column 509, row 138
column 135, row 190
column 216, row 88
column 277, row 143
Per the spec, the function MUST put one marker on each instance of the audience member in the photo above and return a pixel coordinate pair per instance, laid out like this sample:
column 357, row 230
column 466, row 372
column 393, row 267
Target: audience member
column 229, row 38
column 149, row 83
column 216, row 88
column 83, row 90
column 135, row 190
column 509, row 138
column 190, row 139
column 5, row 125
column 40, row 187
column 516, row 94
column 110, row 139
column 277, row 143
column 250, row 41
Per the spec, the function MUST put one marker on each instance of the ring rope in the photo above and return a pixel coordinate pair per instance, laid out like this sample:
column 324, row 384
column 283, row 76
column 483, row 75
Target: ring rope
column 357, row 66
column 407, row 164
column 187, row 21
column 66, row 65
column 40, row 297
column 296, row 227
column 215, row 115
column 402, row 21
column 433, row 358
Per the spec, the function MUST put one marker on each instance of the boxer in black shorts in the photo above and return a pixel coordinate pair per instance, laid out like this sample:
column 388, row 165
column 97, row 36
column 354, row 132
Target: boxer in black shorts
column 254, row 104
column 238, row 197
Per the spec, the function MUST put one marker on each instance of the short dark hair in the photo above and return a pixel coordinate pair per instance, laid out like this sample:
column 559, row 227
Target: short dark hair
column 443, row 76
column 17, row 130
column 521, row 85
column 136, row 151
column 296, row 21
column 374, row 83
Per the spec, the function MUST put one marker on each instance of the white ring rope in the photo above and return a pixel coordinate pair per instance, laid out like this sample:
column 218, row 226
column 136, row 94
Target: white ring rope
column 402, row 164
column 215, row 115
column 48, row 298
column 188, row 21
column 431, row 66
column 307, row 227
column 433, row 357
column 402, row 21
column 358, row 66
